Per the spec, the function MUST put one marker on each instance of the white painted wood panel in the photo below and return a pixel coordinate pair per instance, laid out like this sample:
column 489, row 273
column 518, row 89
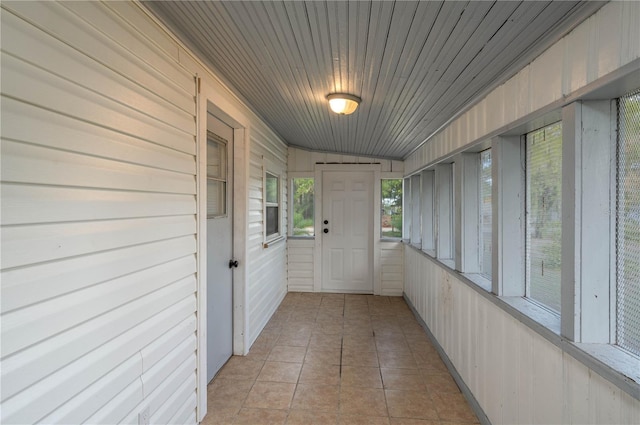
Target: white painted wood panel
column 517, row 376
column 391, row 268
column 600, row 45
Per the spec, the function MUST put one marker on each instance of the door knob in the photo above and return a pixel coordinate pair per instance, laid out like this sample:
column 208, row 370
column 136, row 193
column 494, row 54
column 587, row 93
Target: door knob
column 326, row 230
column 233, row 263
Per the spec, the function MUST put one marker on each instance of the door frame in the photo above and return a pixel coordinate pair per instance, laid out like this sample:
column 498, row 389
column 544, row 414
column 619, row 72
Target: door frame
column 212, row 97
column 319, row 171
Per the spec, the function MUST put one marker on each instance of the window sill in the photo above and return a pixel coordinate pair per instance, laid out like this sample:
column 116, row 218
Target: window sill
column 390, row 240
column 301, row 238
column 480, row 280
column 273, row 241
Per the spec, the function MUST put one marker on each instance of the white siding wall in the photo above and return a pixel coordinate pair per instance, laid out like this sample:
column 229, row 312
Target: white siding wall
column 300, row 261
column 516, row 375
column 99, row 223
column 98, row 220
column 266, row 267
column 300, row 265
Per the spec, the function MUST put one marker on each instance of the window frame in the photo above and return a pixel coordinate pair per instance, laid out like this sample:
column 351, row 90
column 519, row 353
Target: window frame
column 277, row 172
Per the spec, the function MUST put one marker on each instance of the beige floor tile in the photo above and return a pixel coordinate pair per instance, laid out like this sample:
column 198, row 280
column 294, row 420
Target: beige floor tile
column 397, row 360
column 453, row 407
column 260, row 417
column 228, row 392
column 410, row 404
column 430, row 363
column 316, row 397
column 217, row 415
column 284, row 353
column 280, row 372
column 312, row 417
column 323, row 357
column 241, row 368
column 328, row 328
column 320, row 374
column 363, row 420
column 358, row 343
column 403, row 379
column 270, row 395
column 356, row 401
column 366, row 377
column 325, row 341
column 294, row 339
column 410, row 421
column 440, row 383
column 360, row 358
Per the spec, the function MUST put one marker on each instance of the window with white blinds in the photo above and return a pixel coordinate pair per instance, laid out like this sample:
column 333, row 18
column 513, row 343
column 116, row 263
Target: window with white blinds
column 216, row 176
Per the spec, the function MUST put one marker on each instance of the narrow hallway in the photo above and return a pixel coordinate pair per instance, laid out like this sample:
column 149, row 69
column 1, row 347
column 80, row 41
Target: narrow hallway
column 338, row 359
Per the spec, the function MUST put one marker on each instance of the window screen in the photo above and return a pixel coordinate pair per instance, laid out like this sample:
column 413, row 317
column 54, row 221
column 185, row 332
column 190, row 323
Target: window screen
column 486, row 213
column 391, row 208
column 628, row 224
column 543, row 207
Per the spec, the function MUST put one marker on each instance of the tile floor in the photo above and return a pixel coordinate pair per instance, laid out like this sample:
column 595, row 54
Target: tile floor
column 338, row 359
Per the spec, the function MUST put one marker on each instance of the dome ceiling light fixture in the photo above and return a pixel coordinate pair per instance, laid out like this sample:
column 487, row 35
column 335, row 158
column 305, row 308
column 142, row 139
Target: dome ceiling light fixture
column 343, row 103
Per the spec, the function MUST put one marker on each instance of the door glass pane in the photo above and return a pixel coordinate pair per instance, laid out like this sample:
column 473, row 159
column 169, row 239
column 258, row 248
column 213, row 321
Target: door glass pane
column 391, row 208
column 544, row 182
column 216, row 176
column 303, row 207
column 216, row 198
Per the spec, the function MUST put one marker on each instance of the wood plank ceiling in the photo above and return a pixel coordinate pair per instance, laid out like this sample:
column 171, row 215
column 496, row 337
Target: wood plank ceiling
column 415, row 64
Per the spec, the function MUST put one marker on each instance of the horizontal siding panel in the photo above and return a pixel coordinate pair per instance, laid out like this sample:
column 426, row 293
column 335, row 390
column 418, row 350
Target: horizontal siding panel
column 99, row 17
column 186, row 413
column 122, row 332
column 165, row 343
column 56, row 167
column 25, row 286
column 24, row 245
column 179, row 397
column 29, row 325
column 162, row 398
column 94, row 397
column 31, row 45
column 37, row 126
column 70, row 29
column 24, row 204
column 43, row 89
column 126, row 401
column 179, row 355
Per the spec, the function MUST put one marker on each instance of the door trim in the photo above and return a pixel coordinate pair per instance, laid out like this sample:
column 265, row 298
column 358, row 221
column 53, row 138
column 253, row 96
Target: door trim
column 212, row 97
column 318, row 174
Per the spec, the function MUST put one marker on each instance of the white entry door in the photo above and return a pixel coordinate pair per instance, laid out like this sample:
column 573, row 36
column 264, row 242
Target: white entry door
column 219, row 245
column 347, row 231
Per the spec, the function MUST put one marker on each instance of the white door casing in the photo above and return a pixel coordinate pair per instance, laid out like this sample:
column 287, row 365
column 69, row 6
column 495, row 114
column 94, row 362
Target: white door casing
column 347, row 231
column 219, row 245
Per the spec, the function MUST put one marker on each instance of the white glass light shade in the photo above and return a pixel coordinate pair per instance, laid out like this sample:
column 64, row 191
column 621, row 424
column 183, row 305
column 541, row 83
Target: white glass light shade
column 342, row 103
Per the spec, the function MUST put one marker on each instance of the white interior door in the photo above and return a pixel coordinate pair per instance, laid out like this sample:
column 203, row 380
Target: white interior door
column 219, row 245
column 347, row 232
